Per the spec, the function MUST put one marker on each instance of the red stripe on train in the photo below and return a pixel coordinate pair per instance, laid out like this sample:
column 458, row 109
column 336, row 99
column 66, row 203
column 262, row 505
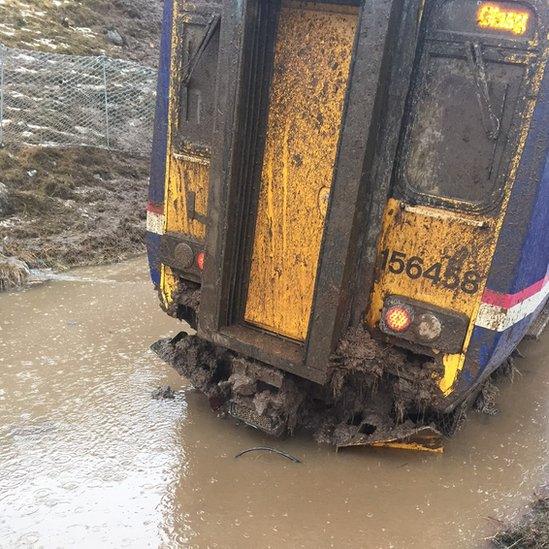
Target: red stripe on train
column 506, row 301
column 155, row 208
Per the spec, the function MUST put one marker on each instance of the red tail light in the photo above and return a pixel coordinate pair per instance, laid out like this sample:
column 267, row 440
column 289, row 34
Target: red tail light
column 398, row 318
column 200, row 256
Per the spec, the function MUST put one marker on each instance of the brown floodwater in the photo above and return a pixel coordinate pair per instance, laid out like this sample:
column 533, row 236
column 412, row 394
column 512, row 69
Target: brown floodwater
column 89, row 459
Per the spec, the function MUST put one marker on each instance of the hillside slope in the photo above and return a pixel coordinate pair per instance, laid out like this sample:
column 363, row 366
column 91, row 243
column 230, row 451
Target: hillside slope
column 82, row 27
column 62, row 207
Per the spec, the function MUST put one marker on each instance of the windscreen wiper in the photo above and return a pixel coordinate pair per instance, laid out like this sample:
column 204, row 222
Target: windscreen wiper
column 490, row 120
column 210, row 30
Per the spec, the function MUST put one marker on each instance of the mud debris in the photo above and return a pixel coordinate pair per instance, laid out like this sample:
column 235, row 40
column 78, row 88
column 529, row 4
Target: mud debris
column 364, row 402
column 13, row 273
column 486, row 401
column 368, row 361
column 185, row 302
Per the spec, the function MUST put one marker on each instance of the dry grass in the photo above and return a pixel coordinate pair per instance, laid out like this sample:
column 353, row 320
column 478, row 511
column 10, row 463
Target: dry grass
column 531, row 532
column 78, row 27
column 69, row 207
column 13, row 273
column 66, row 207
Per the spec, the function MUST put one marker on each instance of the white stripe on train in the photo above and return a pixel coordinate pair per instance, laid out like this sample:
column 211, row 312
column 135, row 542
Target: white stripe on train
column 499, row 319
column 155, row 223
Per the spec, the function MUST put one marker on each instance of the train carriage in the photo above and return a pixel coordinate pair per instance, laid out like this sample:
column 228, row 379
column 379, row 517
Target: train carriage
column 330, row 171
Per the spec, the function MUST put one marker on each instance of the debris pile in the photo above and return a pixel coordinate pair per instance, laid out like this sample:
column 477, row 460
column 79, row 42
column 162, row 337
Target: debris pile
column 185, row 302
column 164, row 393
column 486, row 400
column 13, row 273
column 376, row 394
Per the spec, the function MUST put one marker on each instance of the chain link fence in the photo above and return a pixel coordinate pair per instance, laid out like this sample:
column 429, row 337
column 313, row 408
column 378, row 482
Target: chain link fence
column 55, row 99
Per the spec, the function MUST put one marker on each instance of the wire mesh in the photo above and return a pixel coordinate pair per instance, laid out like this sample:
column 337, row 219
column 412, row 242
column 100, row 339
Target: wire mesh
column 56, row 99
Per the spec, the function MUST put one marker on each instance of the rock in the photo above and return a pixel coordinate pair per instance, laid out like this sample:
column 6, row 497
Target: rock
column 114, row 37
column 242, row 384
column 134, row 13
column 4, row 200
column 163, row 393
column 13, row 273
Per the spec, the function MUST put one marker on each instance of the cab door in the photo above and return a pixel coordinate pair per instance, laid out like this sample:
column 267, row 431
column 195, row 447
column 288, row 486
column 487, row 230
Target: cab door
column 298, row 87
column 312, row 57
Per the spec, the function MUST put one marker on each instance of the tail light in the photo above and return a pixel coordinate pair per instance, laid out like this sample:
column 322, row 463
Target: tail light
column 398, row 318
column 423, row 324
column 183, row 254
column 200, row 256
column 429, row 327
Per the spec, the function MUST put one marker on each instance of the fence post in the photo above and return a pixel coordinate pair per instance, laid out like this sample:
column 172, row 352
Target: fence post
column 3, row 50
column 104, row 64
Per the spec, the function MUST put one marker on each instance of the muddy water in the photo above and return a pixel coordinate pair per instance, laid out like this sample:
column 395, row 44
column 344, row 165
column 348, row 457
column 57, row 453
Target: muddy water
column 89, row 459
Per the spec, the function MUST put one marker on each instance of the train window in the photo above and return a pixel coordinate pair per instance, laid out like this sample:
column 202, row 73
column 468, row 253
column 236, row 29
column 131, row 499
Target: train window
column 460, row 119
column 197, row 73
column 456, row 141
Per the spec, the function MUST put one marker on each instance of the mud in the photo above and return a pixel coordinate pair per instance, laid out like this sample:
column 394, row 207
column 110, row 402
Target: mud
column 185, row 302
column 163, row 393
column 13, row 273
column 486, row 401
column 69, row 207
column 368, row 398
column 89, row 459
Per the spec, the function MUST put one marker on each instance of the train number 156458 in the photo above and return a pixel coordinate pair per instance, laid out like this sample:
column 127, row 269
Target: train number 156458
column 414, row 267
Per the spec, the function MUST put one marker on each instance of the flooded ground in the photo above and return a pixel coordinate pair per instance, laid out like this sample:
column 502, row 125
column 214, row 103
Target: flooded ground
column 89, row 459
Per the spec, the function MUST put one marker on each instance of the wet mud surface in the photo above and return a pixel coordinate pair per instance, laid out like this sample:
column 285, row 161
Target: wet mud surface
column 61, row 208
column 89, row 458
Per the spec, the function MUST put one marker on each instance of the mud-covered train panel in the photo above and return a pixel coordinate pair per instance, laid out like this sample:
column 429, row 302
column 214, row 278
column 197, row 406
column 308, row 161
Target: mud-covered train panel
column 184, row 121
column 469, row 115
column 155, row 209
column 518, row 285
column 441, row 225
column 304, row 122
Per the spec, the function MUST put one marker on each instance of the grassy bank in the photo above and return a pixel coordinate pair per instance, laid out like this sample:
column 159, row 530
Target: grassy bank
column 67, row 207
column 80, row 28
column 531, row 531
